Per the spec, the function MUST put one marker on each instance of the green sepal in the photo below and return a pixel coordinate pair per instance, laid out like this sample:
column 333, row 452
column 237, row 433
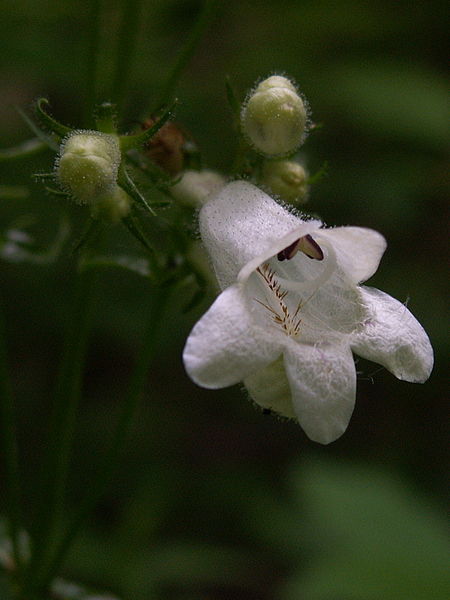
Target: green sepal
column 50, row 122
column 322, row 172
column 56, row 192
column 127, row 184
column 23, row 150
column 44, row 176
column 133, row 141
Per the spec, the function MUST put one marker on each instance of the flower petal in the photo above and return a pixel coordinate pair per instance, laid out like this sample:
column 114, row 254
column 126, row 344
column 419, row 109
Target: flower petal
column 393, row 337
column 323, row 386
column 359, row 250
column 226, row 345
column 269, row 388
column 240, row 223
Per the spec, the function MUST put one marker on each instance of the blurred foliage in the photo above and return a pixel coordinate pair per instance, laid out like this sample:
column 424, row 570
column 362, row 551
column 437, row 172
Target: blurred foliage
column 206, row 504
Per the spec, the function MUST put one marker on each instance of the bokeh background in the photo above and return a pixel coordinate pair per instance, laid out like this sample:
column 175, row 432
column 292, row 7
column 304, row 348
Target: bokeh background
column 214, row 500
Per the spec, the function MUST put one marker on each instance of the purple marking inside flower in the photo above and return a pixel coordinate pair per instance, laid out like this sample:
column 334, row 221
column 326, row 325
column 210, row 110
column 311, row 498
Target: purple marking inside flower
column 305, row 244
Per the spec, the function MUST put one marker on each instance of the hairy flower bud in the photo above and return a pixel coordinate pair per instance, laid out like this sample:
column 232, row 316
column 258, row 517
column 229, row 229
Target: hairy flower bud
column 287, row 179
column 274, row 117
column 88, row 164
column 194, row 187
column 112, row 205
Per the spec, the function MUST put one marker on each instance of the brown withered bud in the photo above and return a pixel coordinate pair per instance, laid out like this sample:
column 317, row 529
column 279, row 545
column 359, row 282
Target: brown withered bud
column 166, row 148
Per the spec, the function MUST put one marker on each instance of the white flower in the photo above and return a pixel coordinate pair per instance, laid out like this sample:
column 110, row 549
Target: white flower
column 287, row 321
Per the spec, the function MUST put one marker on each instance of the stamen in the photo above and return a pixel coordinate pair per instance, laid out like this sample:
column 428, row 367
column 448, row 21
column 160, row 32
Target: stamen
column 289, row 324
column 305, row 244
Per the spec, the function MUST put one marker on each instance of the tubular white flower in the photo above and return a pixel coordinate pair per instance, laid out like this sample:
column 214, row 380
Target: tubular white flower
column 285, row 323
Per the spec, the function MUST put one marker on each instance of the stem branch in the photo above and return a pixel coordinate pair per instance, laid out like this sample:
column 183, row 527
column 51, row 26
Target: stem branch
column 92, row 60
column 112, row 455
column 8, row 446
column 206, row 16
column 131, row 11
column 57, row 460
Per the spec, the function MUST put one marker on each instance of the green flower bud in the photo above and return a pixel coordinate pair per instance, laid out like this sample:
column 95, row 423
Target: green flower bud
column 195, row 186
column 88, row 164
column 287, row 179
column 112, row 205
column 274, row 117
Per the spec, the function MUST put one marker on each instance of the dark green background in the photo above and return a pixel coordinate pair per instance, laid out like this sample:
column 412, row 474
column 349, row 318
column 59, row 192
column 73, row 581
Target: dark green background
column 213, row 499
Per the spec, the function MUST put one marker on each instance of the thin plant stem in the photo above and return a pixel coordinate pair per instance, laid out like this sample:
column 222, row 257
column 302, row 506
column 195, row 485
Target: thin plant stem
column 131, row 11
column 8, row 445
column 92, row 61
column 130, row 405
column 62, row 427
column 205, row 18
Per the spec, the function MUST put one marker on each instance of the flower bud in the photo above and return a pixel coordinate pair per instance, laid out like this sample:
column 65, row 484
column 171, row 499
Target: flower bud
column 274, row 117
column 194, row 187
column 112, row 205
column 287, row 179
column 88, row 164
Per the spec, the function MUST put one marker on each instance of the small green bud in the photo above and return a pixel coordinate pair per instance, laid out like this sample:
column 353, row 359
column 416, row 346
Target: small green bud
column 195, row 186
column 287, row 179
column 88, row 164
column 112, row 205
column 274, row 117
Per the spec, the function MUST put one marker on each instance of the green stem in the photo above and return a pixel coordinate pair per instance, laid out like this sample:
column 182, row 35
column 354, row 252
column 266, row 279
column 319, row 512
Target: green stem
column 92, row 60
column 130, row 405
column 203, row 22
column 57, row 461
column 129, row 27
column 8, row 445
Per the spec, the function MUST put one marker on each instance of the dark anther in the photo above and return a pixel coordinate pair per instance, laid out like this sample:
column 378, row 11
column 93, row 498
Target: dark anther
column 289, row 252
column 306, row 244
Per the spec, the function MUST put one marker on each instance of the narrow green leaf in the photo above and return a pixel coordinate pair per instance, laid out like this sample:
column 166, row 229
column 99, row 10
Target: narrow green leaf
column 126, row 183
column 53, row 125
column 204, row 20
column 133, row 141
column 56, row 192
